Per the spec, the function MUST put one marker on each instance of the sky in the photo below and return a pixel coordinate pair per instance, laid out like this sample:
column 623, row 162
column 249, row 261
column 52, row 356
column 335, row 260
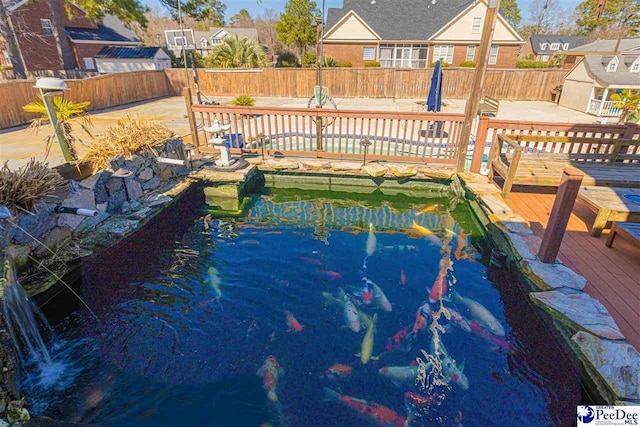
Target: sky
column 233, row 6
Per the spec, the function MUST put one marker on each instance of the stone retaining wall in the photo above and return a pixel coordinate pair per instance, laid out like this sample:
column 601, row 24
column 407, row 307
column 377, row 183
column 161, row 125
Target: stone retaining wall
column 611, row 362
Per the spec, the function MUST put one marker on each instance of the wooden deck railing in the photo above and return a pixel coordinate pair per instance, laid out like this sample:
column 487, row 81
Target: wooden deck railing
column 416, row 137
column 548, row 137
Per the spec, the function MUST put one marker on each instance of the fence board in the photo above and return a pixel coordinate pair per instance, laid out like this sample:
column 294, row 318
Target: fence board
column 510, row 84
column 103, row 91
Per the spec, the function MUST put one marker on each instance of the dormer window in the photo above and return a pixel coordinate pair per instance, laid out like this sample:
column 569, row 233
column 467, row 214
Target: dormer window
column 555, row 46
column 635, row 67
column 47, row 30
column 613, row 65
column 566, row 46
column 543, row 46
column 203, row 42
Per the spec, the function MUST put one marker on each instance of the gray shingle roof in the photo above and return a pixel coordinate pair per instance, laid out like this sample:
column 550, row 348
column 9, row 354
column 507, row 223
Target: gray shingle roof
column 608, row 45
column 127, row 52
column 597, row 67
column 538, row 39
column 110, row 30
column 401, row 19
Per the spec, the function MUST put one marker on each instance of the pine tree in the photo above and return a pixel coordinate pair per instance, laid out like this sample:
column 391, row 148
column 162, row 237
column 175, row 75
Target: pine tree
column 620, row 15
column 294, row 27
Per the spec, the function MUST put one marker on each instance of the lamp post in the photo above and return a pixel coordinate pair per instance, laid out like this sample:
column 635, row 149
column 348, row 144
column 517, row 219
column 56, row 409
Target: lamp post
column 365, row 143
column 49, row 87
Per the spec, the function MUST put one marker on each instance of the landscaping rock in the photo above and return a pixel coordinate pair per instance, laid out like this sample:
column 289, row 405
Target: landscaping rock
column 315, row 165
column 580, row 310
column 156, row 199
column 141, row 213
column 281, row 164
column 151, row 184
column 496, row 204
column 93, row 221
column 55, row 239
column 346, row 166
column 526, row 246
column 37, row 224
column 436, row 172
column 616, row 362
column 82, row 198
column 120, row 227
column 145, row 174
column 20, row 256
column 116, row 201
column 116, row 162
column 134, row 190
column 100, row 187
column 113, row 186
column 135, row 163
column 554, row 276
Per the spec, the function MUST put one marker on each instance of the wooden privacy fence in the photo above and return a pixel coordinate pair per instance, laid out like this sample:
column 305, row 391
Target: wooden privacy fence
column 511, row 84
column 416, row 137
column 62, row 74
column 104, row 91
column 489, row 129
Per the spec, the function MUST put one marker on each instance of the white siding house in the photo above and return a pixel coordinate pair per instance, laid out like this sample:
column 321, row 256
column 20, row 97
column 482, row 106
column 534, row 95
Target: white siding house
column 112, row 59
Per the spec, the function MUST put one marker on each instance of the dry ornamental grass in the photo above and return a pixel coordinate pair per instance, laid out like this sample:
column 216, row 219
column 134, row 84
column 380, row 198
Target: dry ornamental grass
column 20, row 189
column 128, row 137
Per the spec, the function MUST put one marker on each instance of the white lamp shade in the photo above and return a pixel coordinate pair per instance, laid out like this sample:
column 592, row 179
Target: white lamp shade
column 51, row 83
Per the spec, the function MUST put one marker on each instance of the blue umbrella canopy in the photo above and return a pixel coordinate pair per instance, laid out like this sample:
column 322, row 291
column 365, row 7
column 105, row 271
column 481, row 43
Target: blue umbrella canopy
column 434, row 100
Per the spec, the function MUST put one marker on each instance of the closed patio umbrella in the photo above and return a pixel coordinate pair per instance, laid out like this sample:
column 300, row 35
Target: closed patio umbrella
column 434, row 100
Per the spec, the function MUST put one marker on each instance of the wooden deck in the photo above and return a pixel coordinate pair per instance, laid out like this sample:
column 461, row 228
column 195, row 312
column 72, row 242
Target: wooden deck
column 613, row 274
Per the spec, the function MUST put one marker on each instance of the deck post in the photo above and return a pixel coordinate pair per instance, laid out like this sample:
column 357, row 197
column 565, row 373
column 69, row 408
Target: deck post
column 192, row 120
column 560, row 213
column 478, row 147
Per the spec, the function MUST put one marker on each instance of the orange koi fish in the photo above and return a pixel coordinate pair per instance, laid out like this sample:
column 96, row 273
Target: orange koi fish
column 372, row 412
column 403, row 278
column 338, row 371
column 331, row 274
column 428, row 209
column 292, row 323
column 440, row 287
column 270, row 372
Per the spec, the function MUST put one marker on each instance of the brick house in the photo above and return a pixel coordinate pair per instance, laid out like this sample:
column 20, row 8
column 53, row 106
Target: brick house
column 544, row 46
column 415, row 33
column 31, row 21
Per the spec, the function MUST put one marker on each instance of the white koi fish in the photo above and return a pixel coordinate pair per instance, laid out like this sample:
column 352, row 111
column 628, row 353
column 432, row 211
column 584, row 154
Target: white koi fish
column 480, row 314
column 351, row 317
column 214, row 281
column 450, row 370
column 371, row 241
column 400, row 375
column 379, row 298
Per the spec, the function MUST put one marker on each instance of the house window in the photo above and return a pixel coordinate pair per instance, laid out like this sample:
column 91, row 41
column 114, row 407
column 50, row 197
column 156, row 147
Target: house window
column 471, row 52
column 635, row 67
column 613, row 65
column 543, row 46
column 215, row 40
column 88, row 64
column 203, row 42
column 7, row 58
column 566, row 46
column 403, row 56
column 444, row 52
column 493, row 55
column 555, row 46
column 180, row 41
column 46, row 27
column 475, row 26
column 544, row 58
column 368, row 53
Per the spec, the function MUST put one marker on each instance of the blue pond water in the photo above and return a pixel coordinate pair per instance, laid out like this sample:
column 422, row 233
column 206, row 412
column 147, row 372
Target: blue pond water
column 170, row 350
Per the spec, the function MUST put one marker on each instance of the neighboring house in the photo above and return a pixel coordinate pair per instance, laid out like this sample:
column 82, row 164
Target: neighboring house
column 116, row 59
column 591, row 82
column 31, row 21
column 544, row 46
column 204, row 41
column 415, row 33
column 601, row 47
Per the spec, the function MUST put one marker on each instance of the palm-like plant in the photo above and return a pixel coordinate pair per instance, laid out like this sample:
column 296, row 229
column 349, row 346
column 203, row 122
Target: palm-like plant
column 237, row 52
column 65, row 109
column 629, row 102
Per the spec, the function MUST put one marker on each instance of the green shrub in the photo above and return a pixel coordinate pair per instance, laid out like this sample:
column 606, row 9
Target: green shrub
column 531, row 63
column 344, row 64
column 308, row 59
column 444, row 64
column 243, row 101
column 328, row 61
column 371, row 64
column 468, row 64
column 287, row 59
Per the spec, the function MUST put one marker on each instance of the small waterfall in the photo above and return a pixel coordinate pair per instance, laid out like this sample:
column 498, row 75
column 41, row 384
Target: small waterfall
column 24, row 320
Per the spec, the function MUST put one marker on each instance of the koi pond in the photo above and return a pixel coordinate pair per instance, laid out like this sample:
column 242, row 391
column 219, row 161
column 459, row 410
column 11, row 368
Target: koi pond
column 312, row 309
